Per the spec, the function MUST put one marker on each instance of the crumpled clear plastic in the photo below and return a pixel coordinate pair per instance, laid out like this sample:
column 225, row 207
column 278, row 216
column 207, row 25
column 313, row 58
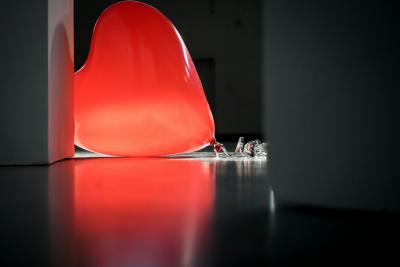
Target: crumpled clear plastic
column 254, row 148
column 239, row 147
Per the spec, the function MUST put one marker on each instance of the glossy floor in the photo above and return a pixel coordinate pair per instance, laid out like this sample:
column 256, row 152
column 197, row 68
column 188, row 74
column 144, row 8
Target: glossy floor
column 187, row 211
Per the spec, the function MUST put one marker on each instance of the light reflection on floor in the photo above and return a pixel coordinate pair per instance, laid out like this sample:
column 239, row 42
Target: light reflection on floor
column 142, row 212
column 137, row 211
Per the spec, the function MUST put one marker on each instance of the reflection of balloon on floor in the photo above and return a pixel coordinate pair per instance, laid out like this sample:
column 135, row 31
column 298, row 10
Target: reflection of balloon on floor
column 144, row 212
column 139, row 93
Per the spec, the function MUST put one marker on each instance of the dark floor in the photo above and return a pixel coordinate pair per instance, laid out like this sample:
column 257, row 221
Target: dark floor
column 191, row 211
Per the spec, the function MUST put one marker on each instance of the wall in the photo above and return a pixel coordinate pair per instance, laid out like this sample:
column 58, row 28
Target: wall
column 331, row 97
column 36, row 81
column 60, row 78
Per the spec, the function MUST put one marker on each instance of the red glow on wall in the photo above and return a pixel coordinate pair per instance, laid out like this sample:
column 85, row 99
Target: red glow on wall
column 144, row 212
column 139, row 93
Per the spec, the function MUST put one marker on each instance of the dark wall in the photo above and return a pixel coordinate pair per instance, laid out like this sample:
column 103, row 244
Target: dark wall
column 23, row 90
column 223, row 37
column 332, row 101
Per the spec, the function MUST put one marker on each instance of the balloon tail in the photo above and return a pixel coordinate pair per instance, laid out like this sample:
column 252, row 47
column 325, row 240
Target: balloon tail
column 219, row 148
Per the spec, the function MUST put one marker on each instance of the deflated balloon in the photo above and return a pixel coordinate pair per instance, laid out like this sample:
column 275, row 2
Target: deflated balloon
column 139, row 93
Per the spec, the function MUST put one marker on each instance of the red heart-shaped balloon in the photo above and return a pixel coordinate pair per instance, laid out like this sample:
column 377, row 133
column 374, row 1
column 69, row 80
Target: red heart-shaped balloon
column 138, row 93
